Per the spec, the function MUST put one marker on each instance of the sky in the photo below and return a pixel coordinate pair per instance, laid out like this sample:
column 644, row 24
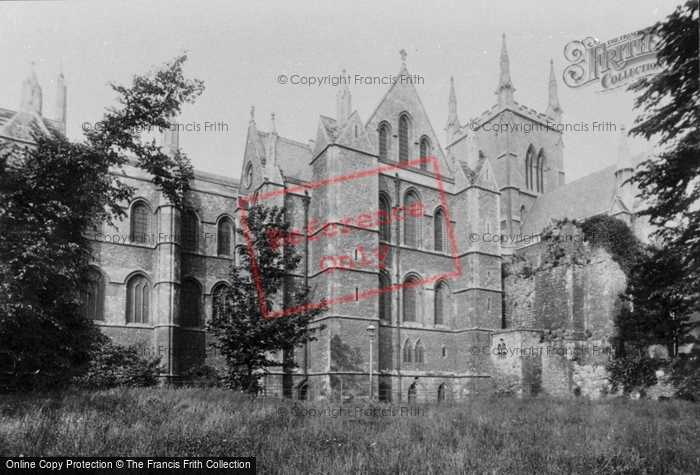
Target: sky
column 239, row 49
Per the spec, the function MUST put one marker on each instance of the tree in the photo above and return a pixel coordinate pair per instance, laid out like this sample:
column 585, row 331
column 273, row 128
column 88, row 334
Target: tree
column 248, row 341
column 659, row 303
column 53, row 193
column 671, row 111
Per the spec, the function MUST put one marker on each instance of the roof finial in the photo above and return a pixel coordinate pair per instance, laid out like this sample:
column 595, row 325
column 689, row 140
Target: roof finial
column 453, row 125
column 343, row 102
column 624, row 160
column 403, row 56
column 252, row 113
column 274, row 129
column 553, row 107
column 505, row 85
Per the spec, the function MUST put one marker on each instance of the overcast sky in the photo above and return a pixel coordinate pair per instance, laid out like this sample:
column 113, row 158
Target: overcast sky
column 239, row 49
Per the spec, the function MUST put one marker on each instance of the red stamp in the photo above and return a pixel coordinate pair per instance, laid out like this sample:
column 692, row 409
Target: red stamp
column 369, row 258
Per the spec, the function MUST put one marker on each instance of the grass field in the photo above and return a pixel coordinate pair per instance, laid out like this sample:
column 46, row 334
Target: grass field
column 481, row 435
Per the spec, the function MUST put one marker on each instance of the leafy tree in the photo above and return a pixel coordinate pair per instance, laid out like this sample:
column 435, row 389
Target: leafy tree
column 671, row 111
column 248, row 341
column 53, row 193
column 659, row 301
column 633, row 372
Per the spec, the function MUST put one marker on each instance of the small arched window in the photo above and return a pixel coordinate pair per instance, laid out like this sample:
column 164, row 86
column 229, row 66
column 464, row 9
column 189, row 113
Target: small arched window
column 403, row 139
column 384, row 142
column 424, row 151
column 530, row 168
column 540, row 172
column 502, row 351
column 189, row 231
column 420, row 352
column 92, row 299
column 384, row 218
column 224, row 237
column 190, row 303
column 140, row 222
column 412, row 224
column 410, row 300
column 442, row 304
column 138, row 299
column 440, row 231
column 220, row 300
column 384, row 297
column 407, row 351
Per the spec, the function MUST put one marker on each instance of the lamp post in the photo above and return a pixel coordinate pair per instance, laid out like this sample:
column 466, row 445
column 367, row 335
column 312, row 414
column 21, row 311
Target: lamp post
column 370, row 330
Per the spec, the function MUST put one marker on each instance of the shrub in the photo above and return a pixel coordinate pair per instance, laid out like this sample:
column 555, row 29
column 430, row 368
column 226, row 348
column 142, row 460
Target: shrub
column 633, row 372
column 203, row 376
column 114, row 365
column 685, row 377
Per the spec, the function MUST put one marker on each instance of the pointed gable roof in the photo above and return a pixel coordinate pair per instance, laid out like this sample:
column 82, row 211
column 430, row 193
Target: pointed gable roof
column 402, row 96
column 591, row 195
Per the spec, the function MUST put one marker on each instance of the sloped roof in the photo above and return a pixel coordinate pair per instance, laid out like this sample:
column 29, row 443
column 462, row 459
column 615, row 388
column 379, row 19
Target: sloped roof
column 588, row 196
column 293, row 158
column 6, row 116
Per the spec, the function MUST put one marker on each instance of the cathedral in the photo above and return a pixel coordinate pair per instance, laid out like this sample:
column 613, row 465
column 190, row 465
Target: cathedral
column 448, row 325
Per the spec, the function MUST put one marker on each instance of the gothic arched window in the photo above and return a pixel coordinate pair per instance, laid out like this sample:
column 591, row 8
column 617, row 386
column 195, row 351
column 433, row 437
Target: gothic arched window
column 403, row 139
column 384, row 297
column 412, row 224
column 220, row 300
column 92, row 299
column 420, row 352
column 190, row 303
column 224, row 237
column 383, row 142
column 410, row 300
column 442, row 304
column 138, row 299
column 440, row 231
column 384, row 218
column 140, row 222
column 540, row 172
column 189, row 231
column 407, row 351
column 530, row 164
column 424, row 152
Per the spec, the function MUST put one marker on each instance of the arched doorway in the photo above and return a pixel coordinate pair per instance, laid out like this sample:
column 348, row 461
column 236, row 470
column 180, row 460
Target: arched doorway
column 412, row 393
column 303, row 392
column 442, row 393
column 384, row 392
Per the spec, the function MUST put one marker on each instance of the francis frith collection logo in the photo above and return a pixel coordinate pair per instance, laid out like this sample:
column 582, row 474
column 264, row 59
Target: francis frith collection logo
column 612, row 64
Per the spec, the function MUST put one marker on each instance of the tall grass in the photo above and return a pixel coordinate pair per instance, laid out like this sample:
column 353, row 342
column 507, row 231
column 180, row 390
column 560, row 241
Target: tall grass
column 483, row 435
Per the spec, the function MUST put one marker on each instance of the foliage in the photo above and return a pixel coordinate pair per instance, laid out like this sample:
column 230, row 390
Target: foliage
column 477, row 435
column 616, row 237
column 53, row 194
column 658, row 302
column 113, row 365
column 671, row 111
column 632, row 372
column 203, row 376
column 685, row 377
column 248, row 341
